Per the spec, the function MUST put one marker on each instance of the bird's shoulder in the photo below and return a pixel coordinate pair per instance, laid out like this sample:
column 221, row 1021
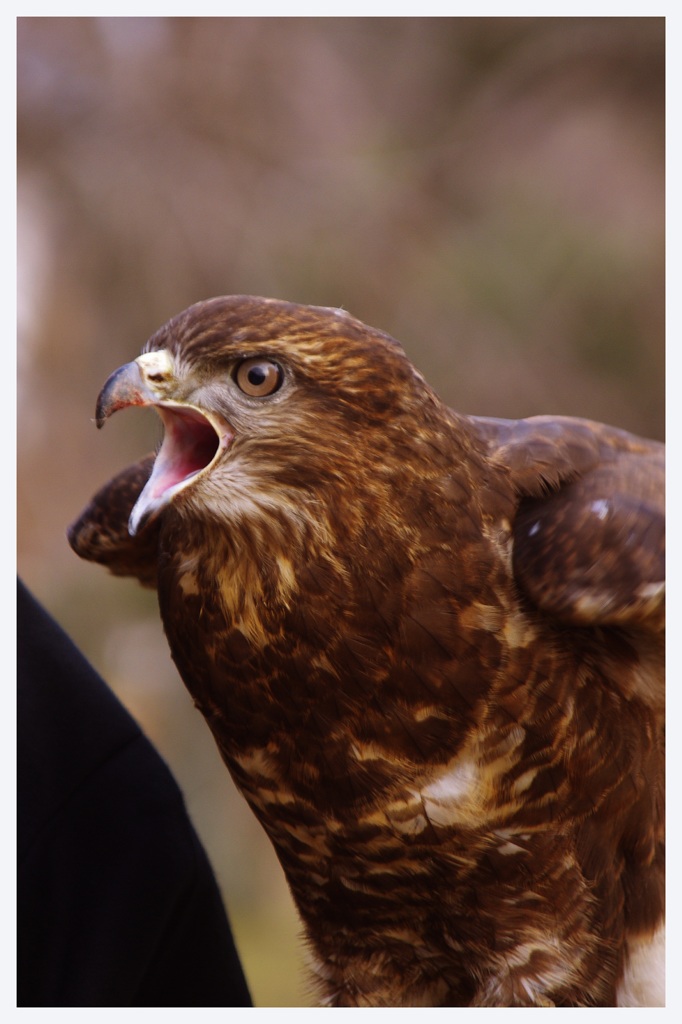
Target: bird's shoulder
column 589, row 528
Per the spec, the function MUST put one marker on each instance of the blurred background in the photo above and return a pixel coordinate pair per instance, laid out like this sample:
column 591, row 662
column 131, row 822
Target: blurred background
column 490, row 191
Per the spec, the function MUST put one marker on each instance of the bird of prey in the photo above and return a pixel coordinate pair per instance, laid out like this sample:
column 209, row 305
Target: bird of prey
column 429, row 647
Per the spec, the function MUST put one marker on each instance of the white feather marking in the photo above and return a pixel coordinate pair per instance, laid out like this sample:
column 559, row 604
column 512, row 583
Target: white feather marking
column 451, row 797
column 453, row 785
column 507, row 849
column 601, row 508
column 650, row 590
column 643, row 981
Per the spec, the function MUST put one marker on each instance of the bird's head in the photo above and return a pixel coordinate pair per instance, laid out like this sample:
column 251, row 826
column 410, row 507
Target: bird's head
column 264, row 401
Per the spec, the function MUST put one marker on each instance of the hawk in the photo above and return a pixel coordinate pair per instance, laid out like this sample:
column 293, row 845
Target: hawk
column 429, row 647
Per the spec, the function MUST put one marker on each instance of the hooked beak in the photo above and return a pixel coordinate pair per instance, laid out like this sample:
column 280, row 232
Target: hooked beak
column 192, row 439
column 124, row 387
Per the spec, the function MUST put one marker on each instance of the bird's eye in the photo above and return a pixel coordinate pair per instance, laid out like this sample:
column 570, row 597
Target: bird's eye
column 258, row 377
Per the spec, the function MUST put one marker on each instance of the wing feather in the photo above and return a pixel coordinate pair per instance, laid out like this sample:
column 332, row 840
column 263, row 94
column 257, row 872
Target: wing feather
column 589, row 535
column 100, row 534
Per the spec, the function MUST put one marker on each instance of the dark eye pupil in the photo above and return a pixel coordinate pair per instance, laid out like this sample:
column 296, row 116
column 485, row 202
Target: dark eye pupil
column 258, row 377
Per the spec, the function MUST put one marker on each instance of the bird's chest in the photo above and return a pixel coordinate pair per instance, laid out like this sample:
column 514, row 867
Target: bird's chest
column 355, row 724
column 342, row 675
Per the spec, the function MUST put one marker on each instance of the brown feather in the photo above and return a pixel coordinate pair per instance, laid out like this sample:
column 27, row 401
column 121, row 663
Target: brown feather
column 100, row 534
column 429, row 647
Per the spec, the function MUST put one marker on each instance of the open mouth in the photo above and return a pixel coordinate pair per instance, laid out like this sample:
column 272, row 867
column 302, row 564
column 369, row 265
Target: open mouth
column 190, row 444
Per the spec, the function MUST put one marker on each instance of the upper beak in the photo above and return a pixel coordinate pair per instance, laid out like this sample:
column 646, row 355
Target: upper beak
column 129, row 385
column 126, row 386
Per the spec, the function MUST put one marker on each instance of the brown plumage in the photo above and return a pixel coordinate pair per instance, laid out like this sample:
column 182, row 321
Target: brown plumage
column 429, row 647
